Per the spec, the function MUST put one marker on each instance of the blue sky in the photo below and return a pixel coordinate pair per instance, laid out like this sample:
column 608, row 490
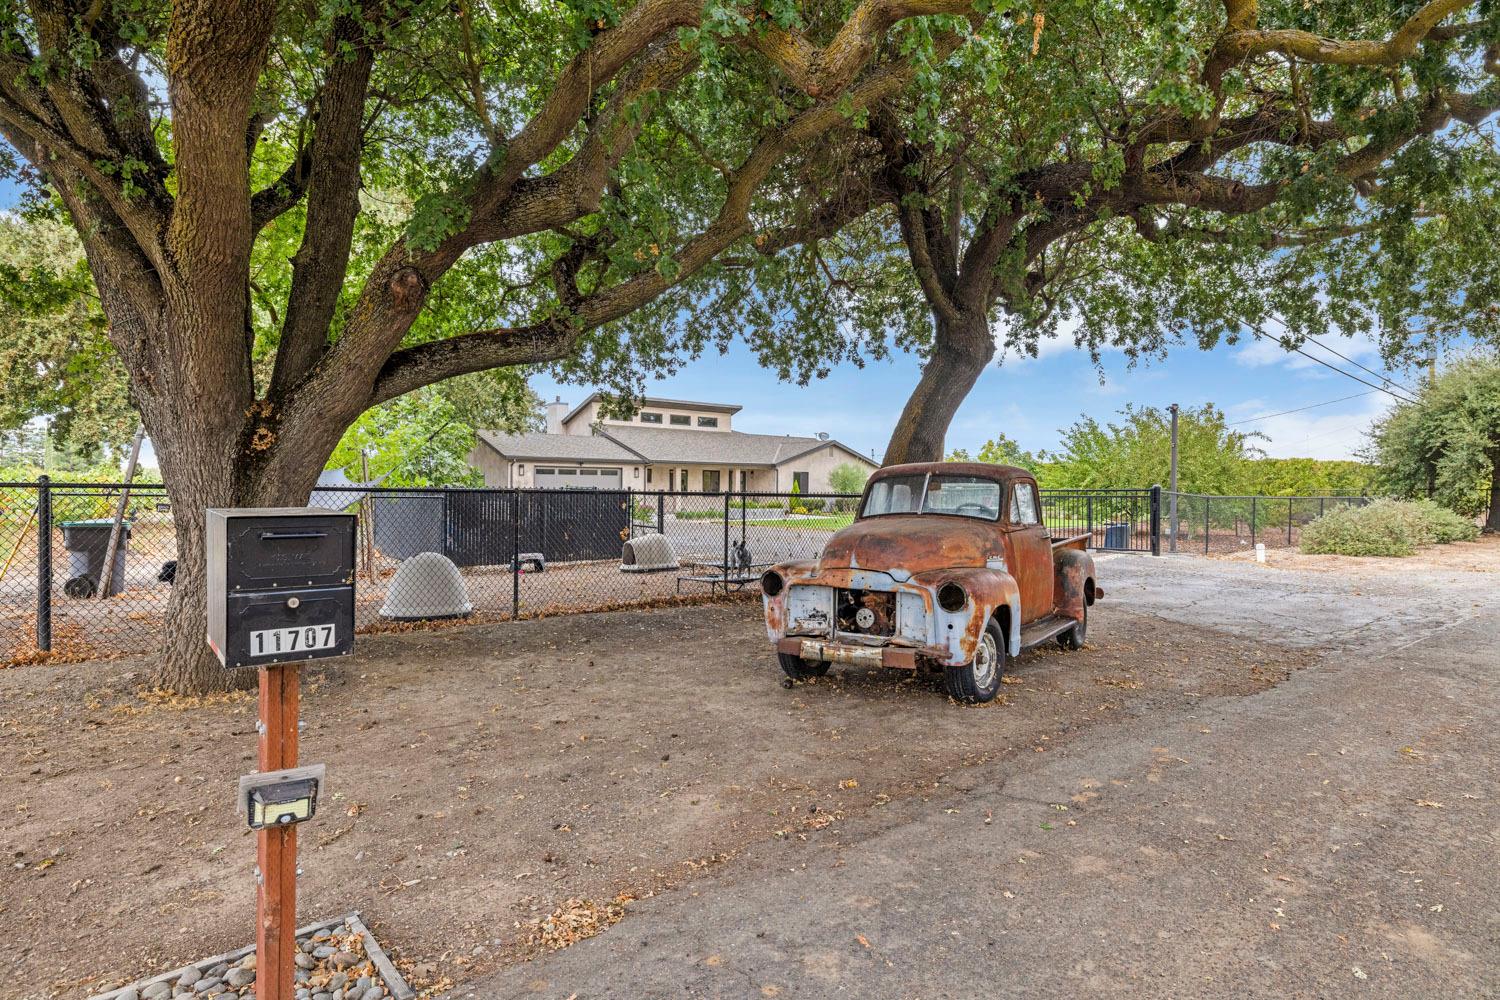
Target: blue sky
column 1031, row 399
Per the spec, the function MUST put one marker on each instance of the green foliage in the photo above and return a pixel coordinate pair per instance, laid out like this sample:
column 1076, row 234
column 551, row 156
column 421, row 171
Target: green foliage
column 1446, row 445
column 848, row 477
column 424, row 438
column 1385, row 528
column 1137, row 452
column 1000, row 451
column 56, row 366
column 1306, row 477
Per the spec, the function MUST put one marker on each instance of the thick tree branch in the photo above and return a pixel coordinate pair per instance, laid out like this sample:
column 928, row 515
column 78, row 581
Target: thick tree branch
column 321, row 261
column 1242, row 42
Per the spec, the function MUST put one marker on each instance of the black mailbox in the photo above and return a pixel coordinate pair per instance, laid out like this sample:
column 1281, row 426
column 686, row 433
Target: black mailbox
column 280, row 584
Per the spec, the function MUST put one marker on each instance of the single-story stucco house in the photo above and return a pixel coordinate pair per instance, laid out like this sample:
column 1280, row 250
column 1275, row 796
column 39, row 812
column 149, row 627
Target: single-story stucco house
column 668, row 444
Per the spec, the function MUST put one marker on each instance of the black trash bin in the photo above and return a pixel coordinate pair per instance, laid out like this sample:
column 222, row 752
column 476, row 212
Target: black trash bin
column 1117, row 536
column 87, row 542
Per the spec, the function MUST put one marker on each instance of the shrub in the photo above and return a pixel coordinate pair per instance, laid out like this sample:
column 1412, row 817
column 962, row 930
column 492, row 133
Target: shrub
column 1447, row 526
column 1384, row 528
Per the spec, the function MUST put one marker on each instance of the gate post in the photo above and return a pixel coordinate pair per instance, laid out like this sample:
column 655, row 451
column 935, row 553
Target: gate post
column 726, row 539
column 1089, row 504
column 661, row 513
column 1289, row 505
column 515, row 554
column 44, row 564
column 1253, row 507
column 1156, row 520
column 1207, row 525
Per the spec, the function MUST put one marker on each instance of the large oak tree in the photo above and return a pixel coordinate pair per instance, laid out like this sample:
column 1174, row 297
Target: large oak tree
column 1132, row 174
column 294, row 212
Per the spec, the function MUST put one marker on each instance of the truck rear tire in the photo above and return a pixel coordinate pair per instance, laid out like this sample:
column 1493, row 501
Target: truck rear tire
column 799, row 669
column 1073, row 638
column 979, row 681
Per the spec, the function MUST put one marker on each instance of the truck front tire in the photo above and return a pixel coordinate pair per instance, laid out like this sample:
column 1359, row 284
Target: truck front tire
column 977, row 682
column 1073, row 638
column 799, row 669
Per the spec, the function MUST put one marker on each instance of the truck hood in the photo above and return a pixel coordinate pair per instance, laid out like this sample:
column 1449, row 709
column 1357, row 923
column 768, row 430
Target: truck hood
column 913, row 543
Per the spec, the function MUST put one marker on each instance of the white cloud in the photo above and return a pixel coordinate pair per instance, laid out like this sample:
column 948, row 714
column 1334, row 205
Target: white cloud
column 1315, row 434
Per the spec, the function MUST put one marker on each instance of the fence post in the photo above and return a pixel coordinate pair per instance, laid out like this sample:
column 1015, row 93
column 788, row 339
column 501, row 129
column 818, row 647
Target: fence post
column 1252, row 521
column 661, row 513
column 1207, row 524
column 1089, row 503
column 1322, row 505
column 515, row 553
column 726, row 537
column 1156, row 520
column 44, row 564
column 1289, row 505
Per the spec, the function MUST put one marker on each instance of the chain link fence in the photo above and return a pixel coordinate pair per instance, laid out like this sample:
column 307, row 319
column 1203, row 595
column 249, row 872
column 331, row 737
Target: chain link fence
column 517, row 553
column 1218, row 524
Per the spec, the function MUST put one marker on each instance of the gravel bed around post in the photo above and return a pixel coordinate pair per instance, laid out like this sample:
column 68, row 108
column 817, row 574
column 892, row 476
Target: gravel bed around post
column 337, row 959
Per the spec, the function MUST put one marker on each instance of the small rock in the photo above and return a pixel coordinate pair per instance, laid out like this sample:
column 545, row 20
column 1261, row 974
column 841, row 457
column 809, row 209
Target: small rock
column 204, row 985
column 323, row 951
column 158, row 990
column 304, row 960
column 342, row 960
column 248, row 962
column 339, row 980
column 363, row 983
column 373, row 993
column 128, row 993
column 189, row 977
column 219, row 970
column 307, row 945
column 239, row 976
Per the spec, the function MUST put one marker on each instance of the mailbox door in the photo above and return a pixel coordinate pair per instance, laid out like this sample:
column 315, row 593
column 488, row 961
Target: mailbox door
column 281, row 626
column 264, row 553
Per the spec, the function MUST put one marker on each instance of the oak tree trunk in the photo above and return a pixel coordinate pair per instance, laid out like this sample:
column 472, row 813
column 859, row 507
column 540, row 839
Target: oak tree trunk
column 960, row 353
column 220, row 447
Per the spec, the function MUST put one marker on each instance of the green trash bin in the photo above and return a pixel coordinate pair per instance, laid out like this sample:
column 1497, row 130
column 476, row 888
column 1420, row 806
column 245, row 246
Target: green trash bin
column 87, row 543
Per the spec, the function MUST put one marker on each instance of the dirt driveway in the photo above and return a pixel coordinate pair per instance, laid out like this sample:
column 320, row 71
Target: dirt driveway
column 649, row 764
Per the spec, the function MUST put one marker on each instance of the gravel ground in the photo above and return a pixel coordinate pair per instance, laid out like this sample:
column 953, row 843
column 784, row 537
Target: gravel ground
column 1132, row 819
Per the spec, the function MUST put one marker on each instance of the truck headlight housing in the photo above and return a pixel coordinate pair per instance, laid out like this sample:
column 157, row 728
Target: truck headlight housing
column 952, row 597
column 771, row 583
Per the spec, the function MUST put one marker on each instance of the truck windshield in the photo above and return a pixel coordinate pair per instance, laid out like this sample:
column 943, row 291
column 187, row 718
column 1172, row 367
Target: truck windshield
column 966, row 496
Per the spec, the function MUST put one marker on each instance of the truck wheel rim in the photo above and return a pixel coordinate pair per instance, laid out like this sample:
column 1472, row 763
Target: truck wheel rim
column 985, row 658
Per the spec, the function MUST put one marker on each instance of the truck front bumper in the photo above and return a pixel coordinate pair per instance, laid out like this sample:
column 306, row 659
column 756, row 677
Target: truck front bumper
column 903, row 657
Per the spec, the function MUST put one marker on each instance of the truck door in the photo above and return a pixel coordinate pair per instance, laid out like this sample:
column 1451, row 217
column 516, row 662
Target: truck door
column 1031, row 550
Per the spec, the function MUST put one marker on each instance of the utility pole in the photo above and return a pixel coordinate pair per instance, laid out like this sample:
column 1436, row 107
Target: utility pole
column 1172, row 500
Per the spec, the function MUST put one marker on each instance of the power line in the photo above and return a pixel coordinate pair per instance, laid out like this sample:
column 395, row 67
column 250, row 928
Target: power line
column 1383, row 376
column 1314, row 406
column 1332, row 367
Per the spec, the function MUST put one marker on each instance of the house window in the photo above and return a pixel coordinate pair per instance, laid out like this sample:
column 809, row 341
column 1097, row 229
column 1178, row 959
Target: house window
column 648, row 475
column 744, row 480
column 710, row 480
column 672, row 480
column 650, row 418
column 681, row 420
column 1023, row 504
column 708, row 421
column 799, row 482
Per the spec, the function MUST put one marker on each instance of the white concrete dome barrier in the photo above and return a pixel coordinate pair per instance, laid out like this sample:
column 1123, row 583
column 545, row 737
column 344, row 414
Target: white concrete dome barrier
column 428, row 585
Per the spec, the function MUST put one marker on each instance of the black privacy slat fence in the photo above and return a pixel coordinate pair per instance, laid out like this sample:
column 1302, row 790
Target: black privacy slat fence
column 517, row 553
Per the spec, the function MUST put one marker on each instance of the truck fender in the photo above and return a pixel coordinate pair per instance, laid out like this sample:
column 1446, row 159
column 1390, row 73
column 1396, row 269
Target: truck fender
column 992, row 593
column 1073, row 579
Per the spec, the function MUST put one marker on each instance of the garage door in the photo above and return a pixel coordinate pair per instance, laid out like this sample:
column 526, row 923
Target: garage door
column 578, row 479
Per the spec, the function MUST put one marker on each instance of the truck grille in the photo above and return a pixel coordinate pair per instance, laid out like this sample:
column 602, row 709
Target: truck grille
column 866, row 612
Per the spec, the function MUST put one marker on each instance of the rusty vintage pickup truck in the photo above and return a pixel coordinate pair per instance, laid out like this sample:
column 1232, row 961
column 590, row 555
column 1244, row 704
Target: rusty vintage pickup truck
column 947, row 567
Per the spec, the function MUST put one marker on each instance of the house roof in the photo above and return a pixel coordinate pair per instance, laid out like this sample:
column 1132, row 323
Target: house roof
column 558, row 447
column 659, row 401
column 653, row 445
column 664, row 444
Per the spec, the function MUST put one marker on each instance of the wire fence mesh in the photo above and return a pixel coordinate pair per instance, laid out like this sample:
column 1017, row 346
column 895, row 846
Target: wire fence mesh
column 513, row 553
column 1224, row 524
